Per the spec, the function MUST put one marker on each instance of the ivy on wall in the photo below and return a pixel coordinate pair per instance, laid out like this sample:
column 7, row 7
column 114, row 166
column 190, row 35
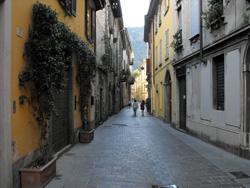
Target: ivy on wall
column 48, row 53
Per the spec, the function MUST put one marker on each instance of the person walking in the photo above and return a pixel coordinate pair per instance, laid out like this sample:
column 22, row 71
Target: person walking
column 142, row 107
column 135, row 107
column 129, row 103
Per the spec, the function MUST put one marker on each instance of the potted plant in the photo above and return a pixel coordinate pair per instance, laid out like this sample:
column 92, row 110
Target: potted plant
column 44, row 67
column 177, row 42
column 213, row 16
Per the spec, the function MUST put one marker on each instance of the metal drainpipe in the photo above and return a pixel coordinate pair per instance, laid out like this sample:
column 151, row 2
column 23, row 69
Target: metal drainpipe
column 201, row 36
column 153, row 53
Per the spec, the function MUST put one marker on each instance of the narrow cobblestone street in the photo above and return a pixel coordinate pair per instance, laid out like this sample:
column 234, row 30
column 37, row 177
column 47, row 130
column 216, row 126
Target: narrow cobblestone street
column 142, row 151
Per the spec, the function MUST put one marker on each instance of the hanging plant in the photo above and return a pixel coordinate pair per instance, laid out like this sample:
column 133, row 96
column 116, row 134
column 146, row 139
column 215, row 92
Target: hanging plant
column 48, row 54
column 177, row 42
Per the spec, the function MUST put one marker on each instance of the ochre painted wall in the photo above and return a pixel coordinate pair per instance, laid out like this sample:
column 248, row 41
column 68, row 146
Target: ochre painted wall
column 160, row 73
column 25, row 134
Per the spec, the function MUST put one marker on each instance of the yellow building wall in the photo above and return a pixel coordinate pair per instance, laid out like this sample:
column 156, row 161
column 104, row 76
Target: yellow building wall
column 160, row 73
column 25, row 134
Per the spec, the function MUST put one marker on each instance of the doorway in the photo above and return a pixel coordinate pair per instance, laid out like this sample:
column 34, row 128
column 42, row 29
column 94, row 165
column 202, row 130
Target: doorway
column 168, row 98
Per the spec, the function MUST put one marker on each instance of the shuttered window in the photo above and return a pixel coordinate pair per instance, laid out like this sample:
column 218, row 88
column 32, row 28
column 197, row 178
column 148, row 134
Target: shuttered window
column 159, row 14
column 164, row 6
column 219, row 76
column 155, row 23
column 156, row 56
column 179, row 17
column 93, row 25
column 194, row 17
column 73, row 7
column 160, row 52
column 87, row 18
column 167, row 44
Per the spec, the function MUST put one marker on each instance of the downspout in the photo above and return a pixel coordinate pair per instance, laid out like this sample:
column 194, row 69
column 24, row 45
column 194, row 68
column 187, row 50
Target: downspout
column 153, row 53
column 201, row 34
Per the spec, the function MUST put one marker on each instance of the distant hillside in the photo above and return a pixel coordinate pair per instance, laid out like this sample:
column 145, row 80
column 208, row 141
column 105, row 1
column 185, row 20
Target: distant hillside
column 136, row 35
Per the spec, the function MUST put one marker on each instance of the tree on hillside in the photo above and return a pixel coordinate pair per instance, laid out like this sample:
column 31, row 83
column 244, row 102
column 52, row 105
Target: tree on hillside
column 135, row 73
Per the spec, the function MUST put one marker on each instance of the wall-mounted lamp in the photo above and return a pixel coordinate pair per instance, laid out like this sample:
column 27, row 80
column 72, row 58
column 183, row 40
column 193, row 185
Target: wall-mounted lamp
column 142, row 68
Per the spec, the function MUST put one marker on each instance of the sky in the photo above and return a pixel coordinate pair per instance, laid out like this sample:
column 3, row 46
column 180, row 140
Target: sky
column 133, row 12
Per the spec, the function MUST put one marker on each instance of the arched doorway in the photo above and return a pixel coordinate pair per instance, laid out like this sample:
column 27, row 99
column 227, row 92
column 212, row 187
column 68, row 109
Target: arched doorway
column 168, row 97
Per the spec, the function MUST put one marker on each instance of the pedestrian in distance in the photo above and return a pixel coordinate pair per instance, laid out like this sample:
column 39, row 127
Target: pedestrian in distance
column 135, row 107
column 129, row 103
column 142, row 107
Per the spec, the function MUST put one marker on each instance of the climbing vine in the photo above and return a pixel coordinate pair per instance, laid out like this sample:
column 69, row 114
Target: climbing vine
column 48, row 53
column 107, row 56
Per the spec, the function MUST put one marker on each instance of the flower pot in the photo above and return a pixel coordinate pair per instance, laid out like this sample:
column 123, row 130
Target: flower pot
column 86, row 136
column 38, row 177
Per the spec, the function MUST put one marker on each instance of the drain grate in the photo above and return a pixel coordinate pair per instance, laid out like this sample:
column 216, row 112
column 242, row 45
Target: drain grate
column 166, row 186
column 239, row 175
column 120, row 124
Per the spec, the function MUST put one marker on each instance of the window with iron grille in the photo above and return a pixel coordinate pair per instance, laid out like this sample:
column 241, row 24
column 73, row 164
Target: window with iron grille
column 219, row 82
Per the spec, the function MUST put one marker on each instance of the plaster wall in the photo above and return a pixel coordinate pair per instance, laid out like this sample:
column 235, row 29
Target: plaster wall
column 5, row 94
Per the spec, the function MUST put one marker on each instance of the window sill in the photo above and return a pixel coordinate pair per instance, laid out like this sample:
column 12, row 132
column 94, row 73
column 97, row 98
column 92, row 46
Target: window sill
column 194, row 38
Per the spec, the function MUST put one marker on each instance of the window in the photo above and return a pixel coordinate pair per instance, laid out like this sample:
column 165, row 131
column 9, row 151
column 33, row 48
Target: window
column 194, row 17
column 165, row 6
column 156, row 57
column 219, row 82
column 179, row 15
column 155, row 23
column 167, row 44
column 160, row 14
column 160, row 52
column 73, row 7
column 90, row 25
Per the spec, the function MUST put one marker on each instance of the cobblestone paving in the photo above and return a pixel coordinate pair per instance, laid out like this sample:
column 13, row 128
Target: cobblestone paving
column 136, row 152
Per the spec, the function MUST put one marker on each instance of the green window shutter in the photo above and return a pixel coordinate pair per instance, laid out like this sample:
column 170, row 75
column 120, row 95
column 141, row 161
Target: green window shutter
column 93, row 25
column 73, row 7
column 87, row 18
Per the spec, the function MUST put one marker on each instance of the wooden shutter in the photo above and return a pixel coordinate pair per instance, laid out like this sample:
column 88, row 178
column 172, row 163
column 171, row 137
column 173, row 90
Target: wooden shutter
column 93, row 26
column 220, row 82
column 167, row 44
column 160, row 52
column 156, row 57
column 159, row 14
column 73, row 7
column 87, row 18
